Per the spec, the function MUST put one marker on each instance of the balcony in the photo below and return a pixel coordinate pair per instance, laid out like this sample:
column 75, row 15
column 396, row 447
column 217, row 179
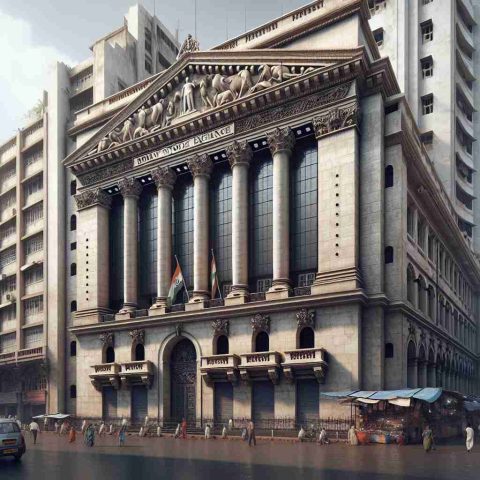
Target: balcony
column 220, row 367
column 465, row 65
column 260, row 365
column 465, row 38
column 305, row 363
column 464, row 184
column 9, row 269
column 9, row 152
column 466, row 9
column 137, row 373
column 463, row 155
column 8, row 184
column 105, row 375
column 33, row 135
column 465, row 90
column 8, row 357
column 25, row 355
column 8, row 213
column 465, row 124
column 463, row 212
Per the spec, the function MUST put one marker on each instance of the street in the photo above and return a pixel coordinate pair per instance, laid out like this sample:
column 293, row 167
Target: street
column 54, row 458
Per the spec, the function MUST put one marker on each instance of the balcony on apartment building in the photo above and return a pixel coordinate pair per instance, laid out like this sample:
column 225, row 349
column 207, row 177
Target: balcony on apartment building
column 32, row 134
column 23, row 356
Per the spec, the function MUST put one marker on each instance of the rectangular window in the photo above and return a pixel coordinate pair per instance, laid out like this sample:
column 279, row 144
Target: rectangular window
column 33, row 337
column 378, row 35
column 427, row 31
column 427, row 104
column 421, row 234
column 34, row 244
column 148, row 40
column 8, row 343
column 8, row 318
column 427, row 66
column 148, row 65
column 34, row 214
column 7, row 231
column 32, row 158
column 73, row 246
column 264, row 285
column 33, row 186
column 376, row 5
column 34, row 275
column 33, row 307
column 8, row 256
column 426, row 2
column 306, row 279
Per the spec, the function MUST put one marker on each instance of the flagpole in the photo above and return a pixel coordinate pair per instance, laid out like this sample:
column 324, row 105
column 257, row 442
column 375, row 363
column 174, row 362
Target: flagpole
column 183, row 279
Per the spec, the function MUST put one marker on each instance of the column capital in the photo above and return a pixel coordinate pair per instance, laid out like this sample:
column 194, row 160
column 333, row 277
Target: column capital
column 129, row 187
column 239, row 153
column 89, row 198
column 281, row 140
column 164, row 177
column 336, row 118
column 200, row 165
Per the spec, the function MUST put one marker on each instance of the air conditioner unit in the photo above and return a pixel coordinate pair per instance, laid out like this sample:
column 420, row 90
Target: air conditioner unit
column 10, row 297
column 3, row 276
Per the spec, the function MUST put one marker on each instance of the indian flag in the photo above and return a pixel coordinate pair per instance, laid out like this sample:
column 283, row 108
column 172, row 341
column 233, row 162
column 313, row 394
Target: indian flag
column 213, row 277
column 176, row 284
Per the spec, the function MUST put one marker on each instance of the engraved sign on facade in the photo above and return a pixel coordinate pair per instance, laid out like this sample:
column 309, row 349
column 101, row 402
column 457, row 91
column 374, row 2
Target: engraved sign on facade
column 187, row 144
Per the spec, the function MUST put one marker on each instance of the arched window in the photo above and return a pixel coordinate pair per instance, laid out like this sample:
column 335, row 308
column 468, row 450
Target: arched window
column 262, row 342
column 388, row 254
column 73, row 391
column 139, row 352
column 73, row 187
column 389, row 350
column 307, row 338
column 422, row 294
column 73, row 269
column 73, row 223
column 109, row 355
column 73, row 349
column 411, row 285
column 73, row 306
column 222, row 345
column 389, row 176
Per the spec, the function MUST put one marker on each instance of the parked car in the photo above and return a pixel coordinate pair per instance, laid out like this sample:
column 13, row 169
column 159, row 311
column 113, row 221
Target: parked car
column 12, row 442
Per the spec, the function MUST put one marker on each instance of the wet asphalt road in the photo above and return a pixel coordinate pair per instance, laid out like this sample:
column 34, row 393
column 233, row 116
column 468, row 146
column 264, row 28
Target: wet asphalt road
column 167, row 458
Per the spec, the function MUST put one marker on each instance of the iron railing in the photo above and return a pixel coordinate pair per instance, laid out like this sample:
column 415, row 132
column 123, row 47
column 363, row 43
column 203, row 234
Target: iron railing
column 256, row 297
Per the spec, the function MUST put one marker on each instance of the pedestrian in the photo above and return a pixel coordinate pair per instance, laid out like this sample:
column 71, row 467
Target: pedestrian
column 427, row 436
column 34, row 429
column 101, row 430
column 230, row 424
column 19, row 423
column 63, row 428
column 207, row 432
column 45, row 424
column 110, row 429
column 145, row 424
column 251, row 434
column 72, row 434
column 184, row 428
column 159, row 430
column 301, row 434
column 84, row 426
column 56, row 426
column 141, row 433
column 224, row 432
column 470, row 437
column 177, row 431
column 352, row 436
column 90, row 436
column 322, row 438
column 122, row 435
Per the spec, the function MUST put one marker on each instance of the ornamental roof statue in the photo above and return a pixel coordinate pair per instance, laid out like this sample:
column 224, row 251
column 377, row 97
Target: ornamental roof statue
column 189, row 45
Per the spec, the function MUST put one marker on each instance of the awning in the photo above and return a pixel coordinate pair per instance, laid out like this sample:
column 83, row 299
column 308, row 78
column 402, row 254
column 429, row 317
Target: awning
column 471, row 406
column 429, row 395
column 30, row 265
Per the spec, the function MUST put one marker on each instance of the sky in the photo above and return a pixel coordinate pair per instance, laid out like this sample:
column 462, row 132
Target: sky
column 34, row 34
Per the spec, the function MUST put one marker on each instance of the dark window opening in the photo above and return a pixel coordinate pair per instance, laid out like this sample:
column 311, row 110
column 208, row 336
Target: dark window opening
column 73, row 246
column 389, row 176
column 73, row 349
column 73, row 223
column 73, row 391
column 388, row 254
column 109, row 355
column 73, row 269
column 222, row 345
column 262, row 342
column 73, row 187
column 73, row 306
column 389, row 350
column 378, row 35
column 139, row 352
column 307, row 338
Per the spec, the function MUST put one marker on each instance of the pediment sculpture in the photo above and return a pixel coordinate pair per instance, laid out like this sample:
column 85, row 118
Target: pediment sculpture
column 198, row 92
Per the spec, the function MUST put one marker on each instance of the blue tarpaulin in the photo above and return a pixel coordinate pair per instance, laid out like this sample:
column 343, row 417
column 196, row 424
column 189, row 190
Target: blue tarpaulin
column 429, row 395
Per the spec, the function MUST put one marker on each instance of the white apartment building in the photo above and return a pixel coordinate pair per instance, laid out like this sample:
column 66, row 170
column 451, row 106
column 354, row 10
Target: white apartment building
column 37, row 219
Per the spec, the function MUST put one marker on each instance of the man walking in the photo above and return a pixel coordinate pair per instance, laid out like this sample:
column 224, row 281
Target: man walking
column 251, row 434
column 469, row 440
column 34, row 429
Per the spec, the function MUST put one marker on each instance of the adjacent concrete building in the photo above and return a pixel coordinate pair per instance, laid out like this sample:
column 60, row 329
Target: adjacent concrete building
column 37, row 285
column 294, row 154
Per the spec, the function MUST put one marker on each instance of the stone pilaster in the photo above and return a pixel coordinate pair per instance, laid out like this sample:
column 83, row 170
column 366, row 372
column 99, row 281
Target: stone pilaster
column 281, row 143
column 338, row 200
column 130, row 190
column 201, row 167
column 239, row 155
column 92, row 256
column 164, row 179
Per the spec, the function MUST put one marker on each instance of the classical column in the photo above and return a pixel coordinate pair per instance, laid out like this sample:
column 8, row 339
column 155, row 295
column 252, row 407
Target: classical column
column 338, row 200
column 92, row 256
column 239, row 155
column 130, row 190
column 281, row 143
column 164, row 179
column 201, row 167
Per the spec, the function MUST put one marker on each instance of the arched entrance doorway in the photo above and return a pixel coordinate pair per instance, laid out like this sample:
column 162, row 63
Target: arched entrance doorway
column 183, row 380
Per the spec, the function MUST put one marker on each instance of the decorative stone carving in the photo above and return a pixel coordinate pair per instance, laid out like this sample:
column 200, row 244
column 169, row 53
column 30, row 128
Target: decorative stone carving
column 200, row 165
column 288, row 374
column 96, row 384
column 336, row 119
column 178, row 330
column 232, row 376
column 107, row 339
column 129, row 187
column 106, row 172
column 164, row 177
column 281, row 140
column 189, row 45
column 188, row 101
column 89, row 198
column 305, row 318
column 239, row 153
column 411, row 329
column 320, row 373
column 220, row 327
column 273, row 375
column 423, row 335
column 138, row 336
column 260, row 323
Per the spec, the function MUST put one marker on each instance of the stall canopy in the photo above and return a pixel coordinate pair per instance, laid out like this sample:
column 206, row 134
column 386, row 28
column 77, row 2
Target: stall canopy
column 429, row 395
column 55, row 416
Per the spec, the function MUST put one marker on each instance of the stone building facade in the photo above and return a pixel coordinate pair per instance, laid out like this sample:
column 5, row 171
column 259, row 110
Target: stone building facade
column 291, row 153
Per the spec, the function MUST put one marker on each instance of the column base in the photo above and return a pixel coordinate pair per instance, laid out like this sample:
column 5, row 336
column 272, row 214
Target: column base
column 124, row 315
column 88, row 316
column 197, row 302
column 237, row 296
column 337, row 281
column 279, row 290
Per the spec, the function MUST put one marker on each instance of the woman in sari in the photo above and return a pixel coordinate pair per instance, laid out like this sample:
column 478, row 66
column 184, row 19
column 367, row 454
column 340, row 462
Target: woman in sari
column 427, row 436
column 352, row 436
column 90, row 436
column 72, row 434
column 184, row 429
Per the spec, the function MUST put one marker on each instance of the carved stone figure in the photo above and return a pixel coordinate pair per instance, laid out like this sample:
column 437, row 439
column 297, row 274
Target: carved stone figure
column 223, row 98
column 204, row 94
column 155, row 118
column 170, row 114
column 127, row 130
column 188, row 101
column 189, row 45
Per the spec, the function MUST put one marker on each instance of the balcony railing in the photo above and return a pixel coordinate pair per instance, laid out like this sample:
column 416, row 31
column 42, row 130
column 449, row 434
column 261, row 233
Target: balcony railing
column 215, row 302
column 260, row 364
column 106, row 369
column 220, row 367
column 257, row 297
column 306, row 361
column 34, row 353
column 8, row 357
column 301, row 291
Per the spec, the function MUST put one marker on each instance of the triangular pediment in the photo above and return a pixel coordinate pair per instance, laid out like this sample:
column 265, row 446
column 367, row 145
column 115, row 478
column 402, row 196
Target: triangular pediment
column 204, row 85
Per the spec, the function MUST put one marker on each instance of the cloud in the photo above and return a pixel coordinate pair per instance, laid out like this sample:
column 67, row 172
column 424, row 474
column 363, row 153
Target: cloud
column 25, row 72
